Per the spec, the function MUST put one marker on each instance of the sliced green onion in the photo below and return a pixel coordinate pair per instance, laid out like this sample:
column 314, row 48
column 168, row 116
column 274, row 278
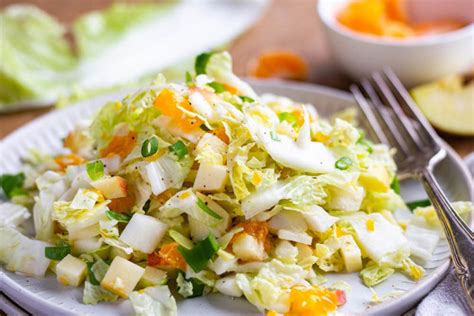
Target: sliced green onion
column 218, row 87
column 150, row 147
column 146, row 206
column 95, row 169
column 274, row 136
column 245, row 98
column 343, row 163
column 289, row 117
column 119, row 217
column 180, row 239
column 189, row 78
column 179, row 149
column 203, row 206
column 201, row 61
column 395, row 185
column 421, row 203
column 57, row 253
column 12, row 184
column 91, row 274
column 204, row 127
column 367, row 144
column 199, row 256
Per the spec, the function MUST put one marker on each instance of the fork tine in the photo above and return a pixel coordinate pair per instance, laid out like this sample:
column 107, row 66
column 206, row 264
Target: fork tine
column 369, row 114
column 401, row 117
column 428, row 131
column 397, row 139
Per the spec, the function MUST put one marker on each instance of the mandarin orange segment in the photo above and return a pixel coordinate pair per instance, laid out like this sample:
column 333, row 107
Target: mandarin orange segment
column 121, row 145
column 396, row 10
column 168, row 102
column 64, row 161
column 168, row 255
column 280, row 64
column 259, row 230
column 366, row 16
column 311, row 301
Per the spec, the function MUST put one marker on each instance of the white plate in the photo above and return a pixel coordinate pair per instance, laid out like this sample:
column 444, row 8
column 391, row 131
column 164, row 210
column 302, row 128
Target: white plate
column 47, row 297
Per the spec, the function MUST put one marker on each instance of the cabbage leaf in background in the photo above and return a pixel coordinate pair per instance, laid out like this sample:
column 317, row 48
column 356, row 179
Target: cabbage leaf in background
column 123, row 46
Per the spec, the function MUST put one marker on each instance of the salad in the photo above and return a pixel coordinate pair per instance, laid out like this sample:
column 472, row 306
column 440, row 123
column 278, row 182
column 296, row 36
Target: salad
column 180, row 190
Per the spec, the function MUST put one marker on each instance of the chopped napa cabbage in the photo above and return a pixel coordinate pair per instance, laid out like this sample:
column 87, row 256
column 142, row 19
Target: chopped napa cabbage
column 36, row 57
column 300, row 190
column 94, row 294
column 51, row 186
column 156, row 300
column 166, row 172
column 13, row 215
column 75, row 219
column 374, row 274
column 21, row 254
column 318, row 219
column 211, row 150
column 430, row 219
column 328, row 255
column 202, row 221
column 268, row 288
column 413, row 270
column 380, row 240
column 219, row 67
column 343, row 134
column 301, row 154
column 422, row 242
column 110, row 235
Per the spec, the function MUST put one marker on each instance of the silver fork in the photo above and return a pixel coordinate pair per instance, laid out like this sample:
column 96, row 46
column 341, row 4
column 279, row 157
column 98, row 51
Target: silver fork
column 396, row 121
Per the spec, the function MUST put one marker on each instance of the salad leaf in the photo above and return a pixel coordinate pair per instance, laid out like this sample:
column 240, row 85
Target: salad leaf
column 119, row 217
column 420, row 203
column 93, row 292
column 12, row 184
column 200, row 64
column 179, row 149
column 199, row 256
column 374, row 274
column 95, row 169
column 59, row 252
column 156, row 300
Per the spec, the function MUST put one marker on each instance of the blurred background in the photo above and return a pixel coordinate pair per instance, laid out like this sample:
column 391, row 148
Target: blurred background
column 286, row 39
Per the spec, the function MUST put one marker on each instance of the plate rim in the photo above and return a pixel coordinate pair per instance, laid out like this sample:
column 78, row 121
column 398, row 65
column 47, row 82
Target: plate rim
column 30, row 299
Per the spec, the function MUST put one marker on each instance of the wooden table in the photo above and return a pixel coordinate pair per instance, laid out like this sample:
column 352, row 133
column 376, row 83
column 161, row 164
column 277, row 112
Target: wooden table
column 287, row 24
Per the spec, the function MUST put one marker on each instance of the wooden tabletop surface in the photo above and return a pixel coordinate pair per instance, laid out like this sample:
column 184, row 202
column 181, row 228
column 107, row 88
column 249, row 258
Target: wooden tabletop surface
column 287, row 24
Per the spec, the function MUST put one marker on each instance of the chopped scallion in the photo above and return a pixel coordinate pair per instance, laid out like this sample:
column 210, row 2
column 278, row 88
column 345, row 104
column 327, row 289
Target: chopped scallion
column 245, row 98
column 201, row 61
column 203, row 206
column 150, row 147
column 189, row 78
column 343, row 163
column 198, row 257
column 218, row 87
column 395, row 185
column 91, row 274
column 421, row 203
column 119, row 217
column 179, row 149
column 180, row 239
column 57, row 253
column 95, row 169
column 12, row 184
column 288, row 117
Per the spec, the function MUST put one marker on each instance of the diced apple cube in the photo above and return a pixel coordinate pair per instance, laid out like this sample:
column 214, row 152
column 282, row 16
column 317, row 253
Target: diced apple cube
column 122, row 277
column 248, row 248
column 229, row 286
column 152, row 277
column 111, row 187
column 71, row 271
column 143, row 233
column 211, row 178
column 351, row 253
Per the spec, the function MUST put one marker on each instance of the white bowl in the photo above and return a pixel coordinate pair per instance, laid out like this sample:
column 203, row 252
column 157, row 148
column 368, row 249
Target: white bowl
column 414, row 60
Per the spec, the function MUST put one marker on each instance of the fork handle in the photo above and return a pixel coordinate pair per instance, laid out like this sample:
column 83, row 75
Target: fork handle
column 460, row 237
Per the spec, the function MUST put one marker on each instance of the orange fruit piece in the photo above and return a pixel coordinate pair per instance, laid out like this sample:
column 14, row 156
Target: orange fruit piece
column 279, row 64
column 64, row 161
column 168, row 102
column 168, row 255
column 121, row 145
column 311, row 301
column 366, row 16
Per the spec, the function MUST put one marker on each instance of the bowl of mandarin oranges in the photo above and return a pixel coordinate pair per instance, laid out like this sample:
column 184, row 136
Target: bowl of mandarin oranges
column 421, row 40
